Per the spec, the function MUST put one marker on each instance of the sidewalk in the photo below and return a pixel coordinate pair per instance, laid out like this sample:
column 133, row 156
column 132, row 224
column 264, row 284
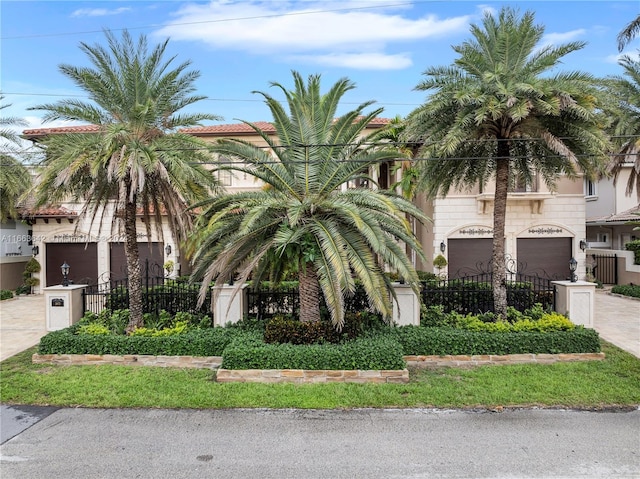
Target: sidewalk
column 22, row 322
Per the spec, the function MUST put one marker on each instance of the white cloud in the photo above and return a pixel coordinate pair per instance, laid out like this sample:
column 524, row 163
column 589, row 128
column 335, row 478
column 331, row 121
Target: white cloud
column 99, row 12
column 316, row 32
column 359, row 61
column 560, row 38
column 616, row 58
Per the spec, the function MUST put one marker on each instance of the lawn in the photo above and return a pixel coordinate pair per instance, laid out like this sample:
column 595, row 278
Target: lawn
column 611, row 383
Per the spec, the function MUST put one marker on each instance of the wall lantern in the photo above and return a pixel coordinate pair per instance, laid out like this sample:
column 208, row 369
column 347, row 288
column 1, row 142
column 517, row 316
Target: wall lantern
column 443, row 247
column 573, row 265
column 35, row 250
column 65, row 273
column 583, row 245
column 167, row 249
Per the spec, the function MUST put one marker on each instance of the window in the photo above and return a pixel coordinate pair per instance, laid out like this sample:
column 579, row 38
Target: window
column 590, row 188
column 225, row 177
column 520, row 185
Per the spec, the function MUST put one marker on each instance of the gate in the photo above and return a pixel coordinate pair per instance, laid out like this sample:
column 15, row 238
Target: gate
column 605, row 268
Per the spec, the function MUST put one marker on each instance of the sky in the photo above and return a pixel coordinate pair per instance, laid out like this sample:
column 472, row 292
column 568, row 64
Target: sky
column 383, row 46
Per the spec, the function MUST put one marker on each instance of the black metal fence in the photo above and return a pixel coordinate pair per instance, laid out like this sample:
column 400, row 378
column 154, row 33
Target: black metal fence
column 157, row 294
column 605, row 268
column 474, row 294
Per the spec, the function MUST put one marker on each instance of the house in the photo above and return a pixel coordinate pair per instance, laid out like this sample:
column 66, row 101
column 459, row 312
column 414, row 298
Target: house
column 609, row 211
column 544, row 228
column 16, row 248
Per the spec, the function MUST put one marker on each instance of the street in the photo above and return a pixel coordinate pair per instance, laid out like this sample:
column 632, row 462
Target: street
column 365, row 443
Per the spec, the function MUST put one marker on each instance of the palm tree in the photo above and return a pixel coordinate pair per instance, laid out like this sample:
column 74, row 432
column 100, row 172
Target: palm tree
column 136, row 159
column 628, row 33
column 15, row 180
column 305, row 214
column 498, row 113
column 624, row 109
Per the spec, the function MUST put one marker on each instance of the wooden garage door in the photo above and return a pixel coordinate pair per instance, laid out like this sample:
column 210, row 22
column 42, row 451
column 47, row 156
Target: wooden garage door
column 154, row 252
column 82, row 259
column 544, row 256
column 468, row 256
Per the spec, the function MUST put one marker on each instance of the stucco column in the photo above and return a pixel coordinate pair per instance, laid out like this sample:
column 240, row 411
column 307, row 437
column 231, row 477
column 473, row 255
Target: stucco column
column 576, row 300
column 407, row 310
column 228, row 308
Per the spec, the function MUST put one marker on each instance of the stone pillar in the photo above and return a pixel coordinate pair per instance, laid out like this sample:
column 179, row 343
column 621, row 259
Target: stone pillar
column 228, row 308
column 407, row 310
column 576, row 300
column 63, row 305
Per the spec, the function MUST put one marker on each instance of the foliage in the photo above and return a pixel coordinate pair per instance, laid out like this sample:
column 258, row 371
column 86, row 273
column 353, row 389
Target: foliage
column 449, row 341
column 5, row 294
column 632, row 290
column 29, row 281
column 497, row 90
column 371, row 353
column 135, row 158
column 440, row 261
column 302, row 219
column 24, row 289
column 163, row 323
column 197, row 342
column 32, row 266
column 635, row 247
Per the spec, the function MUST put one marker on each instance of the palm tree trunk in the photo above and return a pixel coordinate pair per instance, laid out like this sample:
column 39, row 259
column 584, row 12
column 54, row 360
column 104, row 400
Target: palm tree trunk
column 133, row 268
column 499, row 215
column 309, row 294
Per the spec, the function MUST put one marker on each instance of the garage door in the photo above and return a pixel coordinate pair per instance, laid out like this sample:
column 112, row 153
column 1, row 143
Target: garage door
column 547, row 257
column 468, row 256
column 82, row 259
column 153, row 252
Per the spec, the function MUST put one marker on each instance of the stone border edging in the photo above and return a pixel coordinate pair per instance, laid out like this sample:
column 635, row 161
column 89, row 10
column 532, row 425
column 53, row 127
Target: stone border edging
column 490, row 359
column 309, row 376
column 199, row 362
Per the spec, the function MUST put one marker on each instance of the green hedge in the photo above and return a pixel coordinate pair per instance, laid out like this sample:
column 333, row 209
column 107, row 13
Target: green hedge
column 632, row 290
column 5, row 294
column 202, row 342
column 374, row 353
column 445, row 341
column 635, row 247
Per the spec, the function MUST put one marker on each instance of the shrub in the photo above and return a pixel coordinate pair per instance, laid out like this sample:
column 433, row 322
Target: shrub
column 635, row 247
column 372, row 353
column 446, row 341
column 5, row 294
column 632, row 290
column 198, row 342
column 93, row 328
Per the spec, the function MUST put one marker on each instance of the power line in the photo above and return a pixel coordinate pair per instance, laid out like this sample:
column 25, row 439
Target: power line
column 222, row 20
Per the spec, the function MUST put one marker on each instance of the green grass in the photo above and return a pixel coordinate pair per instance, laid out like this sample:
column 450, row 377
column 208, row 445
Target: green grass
column 614, row 382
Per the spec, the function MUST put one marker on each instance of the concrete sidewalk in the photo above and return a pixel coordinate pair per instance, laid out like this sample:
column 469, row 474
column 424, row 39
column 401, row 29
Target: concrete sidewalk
column 22, row 322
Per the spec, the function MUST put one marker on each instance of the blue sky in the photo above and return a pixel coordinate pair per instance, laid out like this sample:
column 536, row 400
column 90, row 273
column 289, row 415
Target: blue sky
column 241, row 46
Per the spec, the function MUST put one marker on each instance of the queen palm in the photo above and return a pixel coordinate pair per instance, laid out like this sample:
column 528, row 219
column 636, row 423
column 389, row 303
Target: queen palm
column 136, row 159
column 15, row 180
column 628, row 33
column 304, row 214
column 624, row 109
column 499, row 112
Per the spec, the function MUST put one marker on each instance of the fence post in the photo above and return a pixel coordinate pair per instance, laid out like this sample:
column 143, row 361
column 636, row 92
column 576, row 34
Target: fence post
column 576, row 300
column 407, row 310
column 228, row 308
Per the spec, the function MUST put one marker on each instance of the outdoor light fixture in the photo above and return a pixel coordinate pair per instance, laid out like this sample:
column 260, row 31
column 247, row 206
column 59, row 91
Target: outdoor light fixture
column 573, row 265
column 167, row 249
column 443, row 247
column 65, row 274
column 583, row 245
column 35, row 250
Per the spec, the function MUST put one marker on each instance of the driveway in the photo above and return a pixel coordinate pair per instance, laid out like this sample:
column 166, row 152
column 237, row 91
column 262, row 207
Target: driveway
column 22, row 324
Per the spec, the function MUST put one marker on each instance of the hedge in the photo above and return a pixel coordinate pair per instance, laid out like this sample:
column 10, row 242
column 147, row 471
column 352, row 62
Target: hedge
column 200, row 342
column 449, row 341
column 632, row 290
column 374, row 353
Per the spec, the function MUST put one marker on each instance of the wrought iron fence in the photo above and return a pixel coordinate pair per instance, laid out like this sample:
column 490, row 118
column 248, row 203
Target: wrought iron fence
column 474, row 294
column 157, row 294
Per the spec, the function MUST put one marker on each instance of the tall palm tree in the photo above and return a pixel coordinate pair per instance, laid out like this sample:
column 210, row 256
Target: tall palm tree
column 304, row 213
column 15, row 180
column 498, row 113
column 624, row 109
column 628, row 33
column 137, row 159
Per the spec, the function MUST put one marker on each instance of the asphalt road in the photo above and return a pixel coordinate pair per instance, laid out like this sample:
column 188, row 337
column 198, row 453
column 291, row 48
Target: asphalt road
column 366, row 443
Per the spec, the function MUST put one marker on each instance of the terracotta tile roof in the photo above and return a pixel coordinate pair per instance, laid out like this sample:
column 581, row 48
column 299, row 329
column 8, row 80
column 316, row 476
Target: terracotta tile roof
column 48, row 212
column 37, row 132
column 216, row 130
column 632, row 214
